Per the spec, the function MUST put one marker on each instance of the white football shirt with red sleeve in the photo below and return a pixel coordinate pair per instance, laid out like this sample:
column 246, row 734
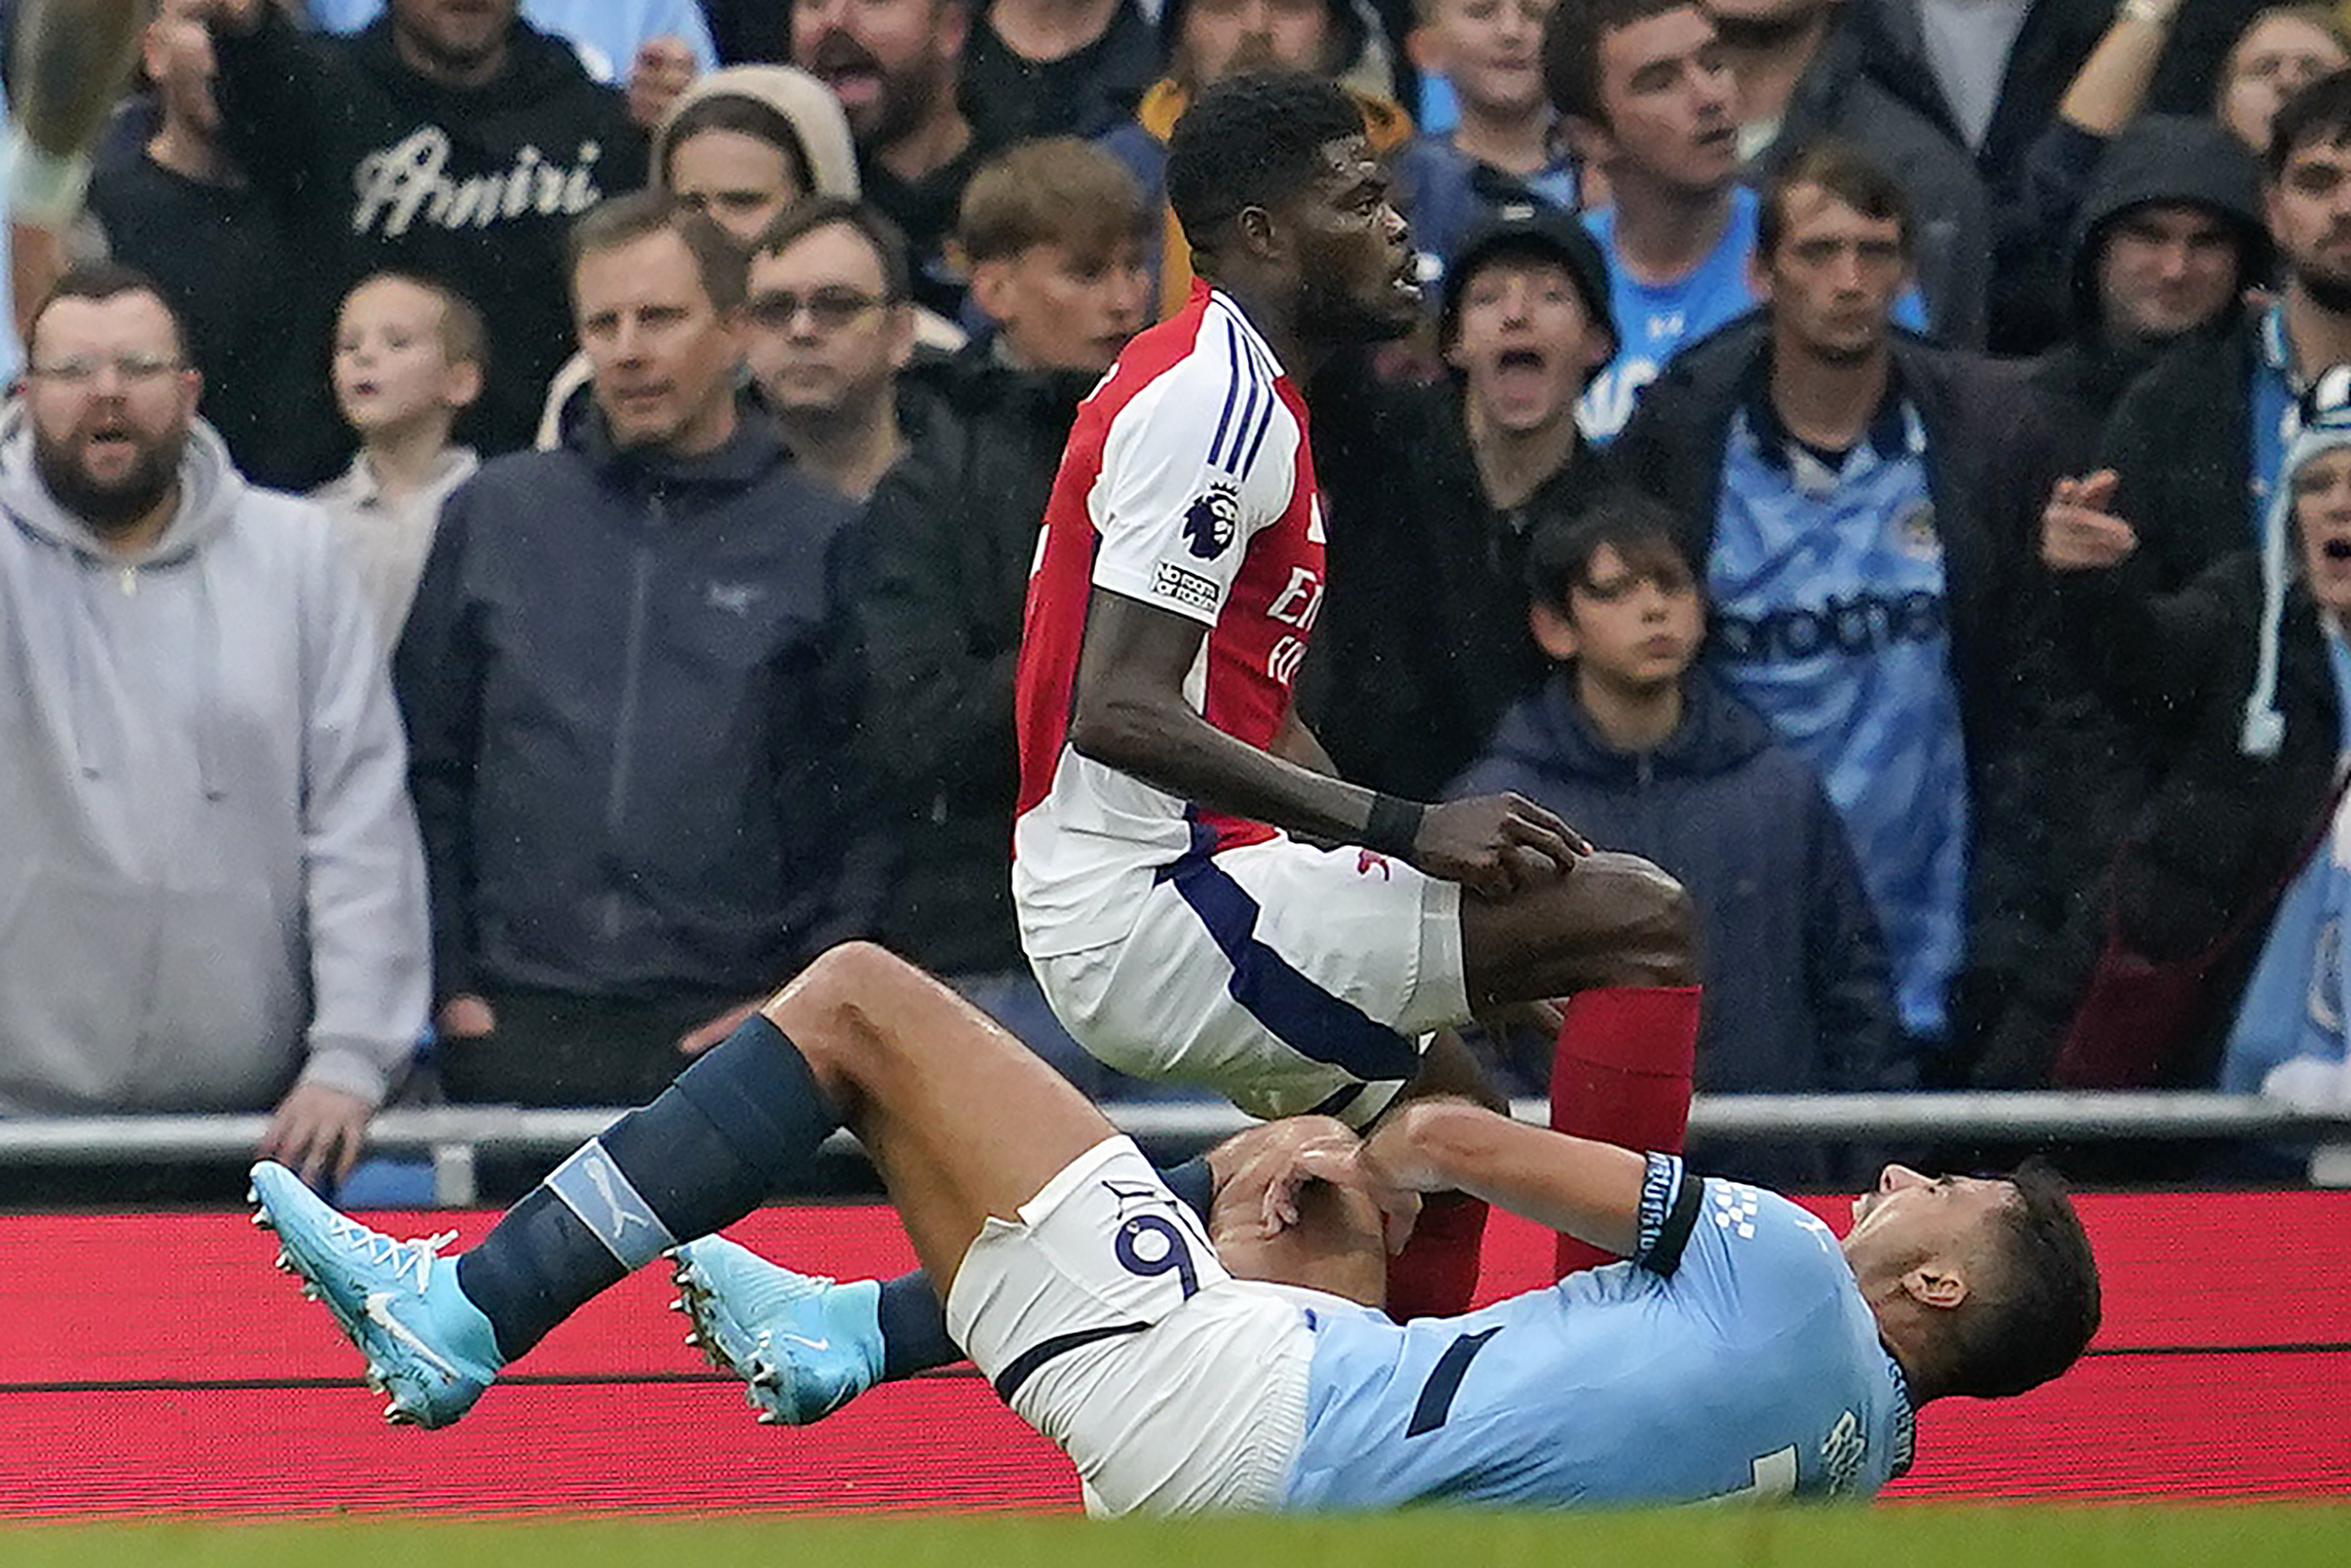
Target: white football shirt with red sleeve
column 1187, row 484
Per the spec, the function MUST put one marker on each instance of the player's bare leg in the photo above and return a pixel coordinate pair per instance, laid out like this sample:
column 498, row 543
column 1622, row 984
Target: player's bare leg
column 960, row 1120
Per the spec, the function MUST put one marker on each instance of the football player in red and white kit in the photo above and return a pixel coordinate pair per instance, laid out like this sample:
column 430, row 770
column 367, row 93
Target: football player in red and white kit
column 1179, row 929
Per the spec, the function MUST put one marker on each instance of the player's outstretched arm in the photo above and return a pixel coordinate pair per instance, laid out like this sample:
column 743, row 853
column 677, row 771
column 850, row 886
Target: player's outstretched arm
column 1591, row 1190
column 1130, row 715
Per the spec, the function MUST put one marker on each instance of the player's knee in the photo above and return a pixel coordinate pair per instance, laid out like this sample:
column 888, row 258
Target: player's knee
column 827, row 1009
column 1656, row 925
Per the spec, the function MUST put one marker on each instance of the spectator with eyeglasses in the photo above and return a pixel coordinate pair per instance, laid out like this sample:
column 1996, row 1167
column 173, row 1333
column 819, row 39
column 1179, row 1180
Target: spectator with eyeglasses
column 828, row 326
column 618, row 683
column 214, row 897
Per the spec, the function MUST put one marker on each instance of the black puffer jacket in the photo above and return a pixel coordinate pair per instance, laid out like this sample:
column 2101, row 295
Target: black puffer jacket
column 2222, row 830
column 1422, row 643
column 939, row 571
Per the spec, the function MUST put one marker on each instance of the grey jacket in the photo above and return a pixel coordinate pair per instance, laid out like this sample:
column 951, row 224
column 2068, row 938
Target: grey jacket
column 210, row 881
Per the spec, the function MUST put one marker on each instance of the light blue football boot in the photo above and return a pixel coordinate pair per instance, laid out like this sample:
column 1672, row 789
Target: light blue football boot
column 429, row 1350
column 803, row 1345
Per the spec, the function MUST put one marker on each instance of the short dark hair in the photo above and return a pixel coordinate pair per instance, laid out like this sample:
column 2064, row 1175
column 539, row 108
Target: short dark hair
column 2321, row 112
column 464, row 336
column 1252, row 140
column 1055, row 190
column 744, row 114
column 1642, row 529
column 625, row 220
column 803, row 218
column 103, row 280
column 1571, row 36
column 2040, row 1309
column 1845, row 173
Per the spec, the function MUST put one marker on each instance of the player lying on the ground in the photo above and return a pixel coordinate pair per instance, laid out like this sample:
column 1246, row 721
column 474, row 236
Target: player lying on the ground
column 1743, row 1350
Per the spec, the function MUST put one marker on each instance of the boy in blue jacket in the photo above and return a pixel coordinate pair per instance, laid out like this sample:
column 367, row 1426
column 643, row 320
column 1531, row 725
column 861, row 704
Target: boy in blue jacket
column 1646, row 754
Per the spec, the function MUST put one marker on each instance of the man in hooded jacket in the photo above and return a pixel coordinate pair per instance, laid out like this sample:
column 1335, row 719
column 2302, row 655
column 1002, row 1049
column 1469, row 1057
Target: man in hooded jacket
column 215, row 900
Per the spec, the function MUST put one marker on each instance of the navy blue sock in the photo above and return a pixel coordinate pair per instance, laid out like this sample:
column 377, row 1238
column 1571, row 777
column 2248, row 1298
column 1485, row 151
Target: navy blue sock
column 913, row 1328
column 742, row 1122
column 914, row 1323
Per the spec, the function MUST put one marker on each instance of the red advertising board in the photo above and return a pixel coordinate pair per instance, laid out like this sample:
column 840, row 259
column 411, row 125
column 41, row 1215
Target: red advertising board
column 154, row 1363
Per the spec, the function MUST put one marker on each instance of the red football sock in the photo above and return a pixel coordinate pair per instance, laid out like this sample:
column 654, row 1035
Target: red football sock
column 1621, row 1074
column 1436, row 1274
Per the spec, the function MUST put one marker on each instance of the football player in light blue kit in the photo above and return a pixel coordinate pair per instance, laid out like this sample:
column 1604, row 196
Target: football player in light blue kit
column 1741, row 1350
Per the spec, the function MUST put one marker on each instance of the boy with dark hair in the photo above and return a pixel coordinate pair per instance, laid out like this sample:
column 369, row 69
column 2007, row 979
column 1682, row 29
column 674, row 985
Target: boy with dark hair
column 1647, row 755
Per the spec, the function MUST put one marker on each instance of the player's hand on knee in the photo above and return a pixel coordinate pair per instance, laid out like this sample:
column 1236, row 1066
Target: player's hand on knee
column 1496, row 845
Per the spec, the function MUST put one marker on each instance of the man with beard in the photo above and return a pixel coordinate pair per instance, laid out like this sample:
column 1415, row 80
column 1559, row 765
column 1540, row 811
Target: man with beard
column 216, row 900
column 1846, row 491
column 448, row 140
column 1178, row 928
column 896, row 66
column 615, row 677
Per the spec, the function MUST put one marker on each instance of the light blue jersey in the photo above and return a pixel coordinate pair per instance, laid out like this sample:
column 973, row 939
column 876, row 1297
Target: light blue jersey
column 1653, row 322
column 1831, row 620
column 2297, row 1002
column 1735, row 1356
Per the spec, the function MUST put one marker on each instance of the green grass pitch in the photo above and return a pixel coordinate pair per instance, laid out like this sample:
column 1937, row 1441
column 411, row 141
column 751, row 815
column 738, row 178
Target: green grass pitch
column 2281, row 1536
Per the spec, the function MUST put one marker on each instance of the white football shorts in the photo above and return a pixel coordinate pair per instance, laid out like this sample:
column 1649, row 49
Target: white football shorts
column 1103, row 1318
column 1288, row 978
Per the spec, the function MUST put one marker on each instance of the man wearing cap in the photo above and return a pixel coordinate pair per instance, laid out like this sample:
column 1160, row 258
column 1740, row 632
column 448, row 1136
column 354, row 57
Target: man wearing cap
column 1423, row 641
column 1848, row 493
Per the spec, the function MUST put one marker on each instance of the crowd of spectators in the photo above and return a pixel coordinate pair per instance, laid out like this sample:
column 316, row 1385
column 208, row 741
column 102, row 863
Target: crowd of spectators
column 1876, row 458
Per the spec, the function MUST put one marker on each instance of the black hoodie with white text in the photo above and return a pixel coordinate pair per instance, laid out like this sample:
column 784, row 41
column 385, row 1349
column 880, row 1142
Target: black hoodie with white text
column 376, row 166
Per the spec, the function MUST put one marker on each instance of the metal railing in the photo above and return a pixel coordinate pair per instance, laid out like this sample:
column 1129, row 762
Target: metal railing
column 453, row 1138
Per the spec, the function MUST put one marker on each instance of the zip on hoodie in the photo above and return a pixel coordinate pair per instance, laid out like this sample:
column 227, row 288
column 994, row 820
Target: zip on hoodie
column 633, row 670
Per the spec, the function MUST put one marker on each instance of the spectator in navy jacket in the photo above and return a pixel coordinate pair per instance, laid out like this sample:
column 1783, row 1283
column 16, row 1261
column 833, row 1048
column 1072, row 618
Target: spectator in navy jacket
column 1646, row 755
column 619, row 687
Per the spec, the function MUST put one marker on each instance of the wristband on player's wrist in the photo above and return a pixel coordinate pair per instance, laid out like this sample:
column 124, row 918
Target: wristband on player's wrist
column 1393, row 825
column 2156, row 14
column 44, row 188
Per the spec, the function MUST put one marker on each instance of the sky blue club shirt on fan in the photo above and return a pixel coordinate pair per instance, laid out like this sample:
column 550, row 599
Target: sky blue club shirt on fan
column 1653, row 322
column 1830, row 618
